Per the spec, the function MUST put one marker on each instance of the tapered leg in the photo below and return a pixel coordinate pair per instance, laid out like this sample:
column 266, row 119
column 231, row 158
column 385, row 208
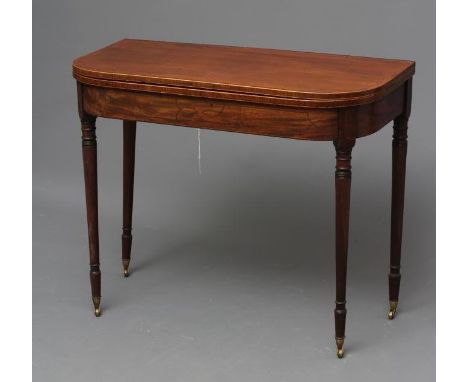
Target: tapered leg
column 398, row 194
column 342, row 189
column 88, row 128
column 129, row 132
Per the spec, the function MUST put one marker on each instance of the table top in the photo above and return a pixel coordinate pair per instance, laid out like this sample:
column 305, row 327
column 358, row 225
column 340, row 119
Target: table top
column 336, row 80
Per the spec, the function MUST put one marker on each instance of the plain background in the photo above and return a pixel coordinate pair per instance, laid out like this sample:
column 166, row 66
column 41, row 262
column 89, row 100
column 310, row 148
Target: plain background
column 232, row 270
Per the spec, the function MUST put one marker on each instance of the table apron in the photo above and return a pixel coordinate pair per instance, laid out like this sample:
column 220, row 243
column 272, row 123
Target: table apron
column 234, row 116
column 241, row 117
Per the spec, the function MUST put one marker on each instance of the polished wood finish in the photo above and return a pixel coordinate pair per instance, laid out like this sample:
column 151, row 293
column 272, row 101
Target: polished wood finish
column 399, row 149
column 326, row 80
column 129, row 134
column 342, row 190
column 343, row 147
column 89, row 150
column 372, row 117
column 240, row 117
column 296, row 95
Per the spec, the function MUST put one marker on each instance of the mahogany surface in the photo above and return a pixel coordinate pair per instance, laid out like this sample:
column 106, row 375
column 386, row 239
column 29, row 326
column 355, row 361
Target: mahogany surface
column 241, row 117
column 323, row 79
column 287, row 94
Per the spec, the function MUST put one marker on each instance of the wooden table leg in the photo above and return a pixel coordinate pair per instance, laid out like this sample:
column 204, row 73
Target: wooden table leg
column 129, row 133
column 88, row 138
column 399, row 149
column 342, row 190
column 398, row 195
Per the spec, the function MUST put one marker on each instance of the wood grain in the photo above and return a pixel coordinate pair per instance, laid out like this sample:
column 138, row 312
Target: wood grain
column 297, row 95
column 328, row 79
column 286, row 122
column 372, row 117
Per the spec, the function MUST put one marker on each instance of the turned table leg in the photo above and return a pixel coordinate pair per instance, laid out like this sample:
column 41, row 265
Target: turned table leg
column 88, row 128
column 342, row 190
column 399, row 149
column 398, row 194
column 129, row 132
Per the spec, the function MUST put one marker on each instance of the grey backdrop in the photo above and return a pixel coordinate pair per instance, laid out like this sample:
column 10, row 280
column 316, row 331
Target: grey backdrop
column 232, row 270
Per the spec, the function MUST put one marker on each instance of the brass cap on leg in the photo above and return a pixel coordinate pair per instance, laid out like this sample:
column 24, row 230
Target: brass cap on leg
column 393, row 308
column 97, row 306
column 125, row 263
column 339, row 347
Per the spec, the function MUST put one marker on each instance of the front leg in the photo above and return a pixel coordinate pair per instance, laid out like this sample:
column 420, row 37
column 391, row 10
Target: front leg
column 342, row 189
column 399, row 150
column 88, row 139
column 129, row 132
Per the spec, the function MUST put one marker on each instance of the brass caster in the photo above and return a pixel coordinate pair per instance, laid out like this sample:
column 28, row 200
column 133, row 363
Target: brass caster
column 339, row 347
column 97, row 306
column 392, row 311
column 125, row 263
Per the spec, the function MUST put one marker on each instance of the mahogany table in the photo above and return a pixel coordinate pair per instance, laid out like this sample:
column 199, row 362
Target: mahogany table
column 278, row 93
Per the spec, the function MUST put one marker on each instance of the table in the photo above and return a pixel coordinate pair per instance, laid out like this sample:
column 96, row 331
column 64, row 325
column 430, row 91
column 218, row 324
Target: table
column 277, row 93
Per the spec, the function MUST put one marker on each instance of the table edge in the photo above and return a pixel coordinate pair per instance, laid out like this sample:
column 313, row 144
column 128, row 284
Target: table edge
column 307, row 100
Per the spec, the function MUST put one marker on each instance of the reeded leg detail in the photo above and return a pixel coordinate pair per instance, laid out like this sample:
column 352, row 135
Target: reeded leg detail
column 129, row 133
column 88, row 128
column 342, row 189
column 399, row 149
